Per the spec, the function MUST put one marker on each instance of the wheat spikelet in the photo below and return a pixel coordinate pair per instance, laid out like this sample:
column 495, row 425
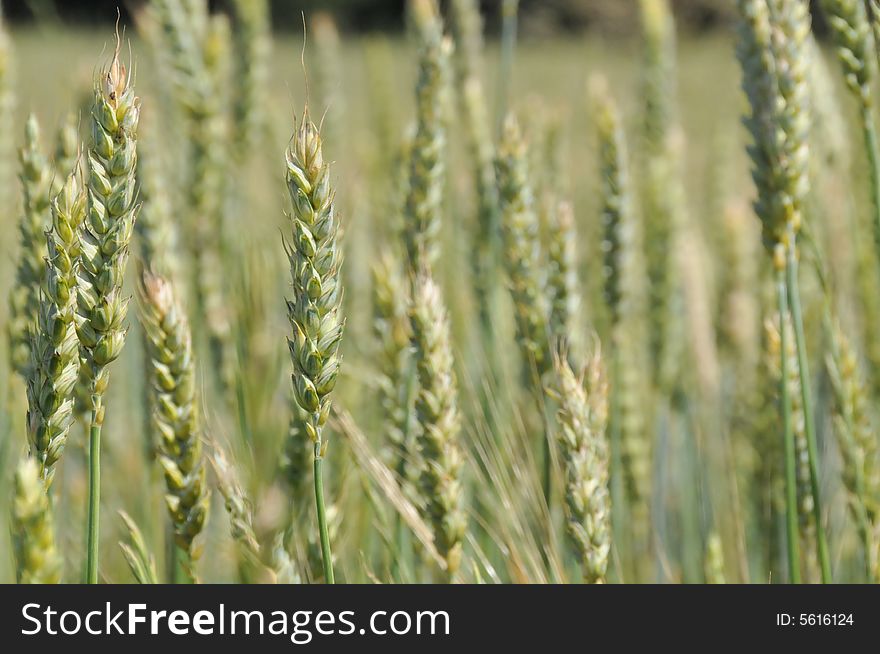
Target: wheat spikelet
column 617, row 227
column 252, row 37
column 621, row 289
column 54, row 367
column 850, row 28
column 583, row 415
column 36, row 180
column 391, row 329
column 283, row 568
column 238, row 507
column 427, row 170
column 138, row 557
column 189, row 39
column 519, row 229
column 773, row 56
column 175, row 410
column 437, row 436
column 562, row 280
column 659, row 178
column 468, row 27
column 758, row 417
column 37, row 559
column 296, row 459
column 858, row 444
column 805, row 498
column 107, row 230
column 315, row 258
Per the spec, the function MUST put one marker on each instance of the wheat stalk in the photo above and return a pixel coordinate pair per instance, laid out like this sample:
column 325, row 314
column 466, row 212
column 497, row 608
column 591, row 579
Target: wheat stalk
column 773, row 52
column 658, row 182
column 427, row 170
column 781, row 345
column 104, row 247
column 468, row 27
column 439, row 422
column 858, row 444
column 190, row 37
column 562, row 277
column 314, row 311
column 519, row 228
column 54, row 367
column 583, row 416
column 391, row 328
column 175, row 411
column 851, row 30
column 36, row 556
column 252, row 36
column 36, row 181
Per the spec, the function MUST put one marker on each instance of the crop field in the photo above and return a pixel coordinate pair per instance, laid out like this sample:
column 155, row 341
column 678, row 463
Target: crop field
column 434, row 307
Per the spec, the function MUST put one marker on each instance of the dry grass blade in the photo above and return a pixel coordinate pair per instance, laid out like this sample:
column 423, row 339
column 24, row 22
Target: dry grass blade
column 385, row 480
column 238, row 507
column 138, row 557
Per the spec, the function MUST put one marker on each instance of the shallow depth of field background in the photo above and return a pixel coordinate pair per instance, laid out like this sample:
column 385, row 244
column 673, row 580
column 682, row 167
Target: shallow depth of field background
column 701, row 461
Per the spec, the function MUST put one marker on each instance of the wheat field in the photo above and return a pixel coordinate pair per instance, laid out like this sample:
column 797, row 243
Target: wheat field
column 432, row 308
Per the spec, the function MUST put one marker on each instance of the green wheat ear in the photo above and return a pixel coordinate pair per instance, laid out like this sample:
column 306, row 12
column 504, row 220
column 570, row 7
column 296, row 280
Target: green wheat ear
column 106, row 233
column 427, row 169
column 521, row 252
column 36, row 181
column 315, row 259
column 37, row 558
column 55, row 349
column 439, row 422
column 175, row 410
column 583, row 418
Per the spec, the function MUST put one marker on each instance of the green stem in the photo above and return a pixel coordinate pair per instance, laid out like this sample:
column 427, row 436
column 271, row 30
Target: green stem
column 872, row 150
column 322, row 518
column 94, row 490
column 791, row 269
column 618, row 516
column 791, row 506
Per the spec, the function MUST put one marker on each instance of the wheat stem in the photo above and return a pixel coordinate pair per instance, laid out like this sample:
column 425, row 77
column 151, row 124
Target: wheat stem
column 104, row 247
column 809, row 419
column 326, row 555
column 94, row 492
column 791, row 502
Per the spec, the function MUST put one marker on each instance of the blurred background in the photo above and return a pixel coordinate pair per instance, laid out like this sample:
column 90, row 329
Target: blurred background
column 708, row 450
column 538, row 16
